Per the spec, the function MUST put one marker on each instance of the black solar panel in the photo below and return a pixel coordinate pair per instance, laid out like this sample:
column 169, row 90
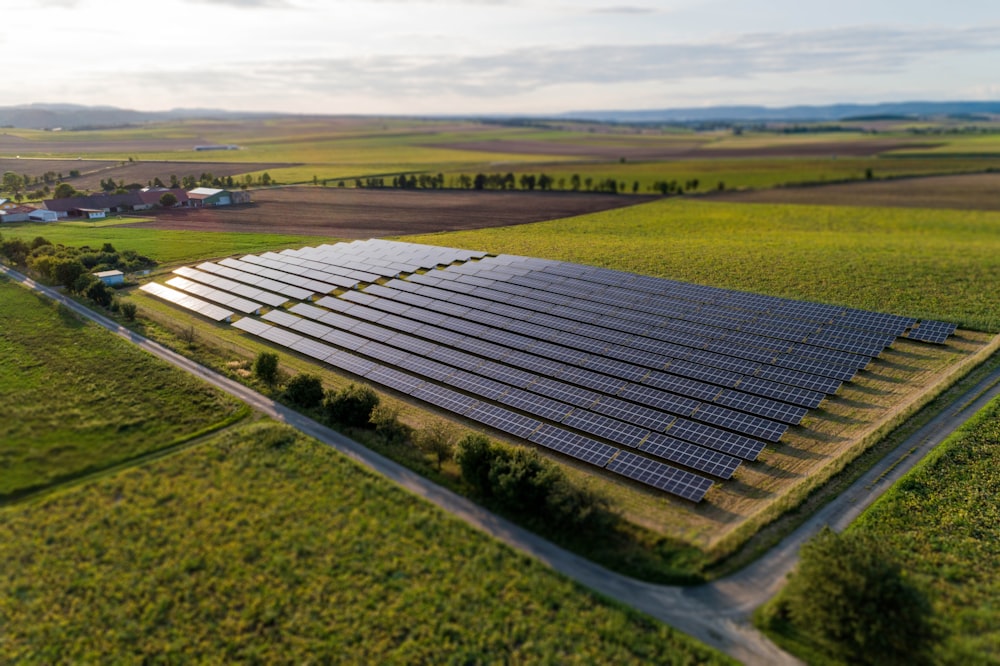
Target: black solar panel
column 663, row 477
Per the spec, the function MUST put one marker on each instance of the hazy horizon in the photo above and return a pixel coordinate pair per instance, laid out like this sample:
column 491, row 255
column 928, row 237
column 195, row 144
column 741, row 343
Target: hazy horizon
column 453, row 57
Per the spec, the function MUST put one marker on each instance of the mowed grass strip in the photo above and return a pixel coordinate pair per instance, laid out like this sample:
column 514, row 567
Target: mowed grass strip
column 263, row 546
column 166, row 247
column 937, row 264
column 78, row 399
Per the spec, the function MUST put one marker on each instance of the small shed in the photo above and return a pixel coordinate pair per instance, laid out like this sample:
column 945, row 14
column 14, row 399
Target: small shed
column 111, row 278
column 42, row 215
column 92, row 213
column 207, row 196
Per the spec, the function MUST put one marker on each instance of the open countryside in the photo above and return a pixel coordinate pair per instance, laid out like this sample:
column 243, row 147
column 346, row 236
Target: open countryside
column 916, row 260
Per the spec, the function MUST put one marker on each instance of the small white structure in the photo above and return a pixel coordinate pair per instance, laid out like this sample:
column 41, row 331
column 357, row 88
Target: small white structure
column 92, row 213
column 111, row 278
column 42, row 215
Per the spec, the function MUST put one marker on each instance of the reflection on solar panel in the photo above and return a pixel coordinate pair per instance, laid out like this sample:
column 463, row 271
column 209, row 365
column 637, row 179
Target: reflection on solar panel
column 622, row 371
column 209, row 310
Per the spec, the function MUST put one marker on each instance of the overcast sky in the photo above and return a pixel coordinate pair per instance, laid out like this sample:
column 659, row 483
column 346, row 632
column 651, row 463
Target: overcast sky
column 495, row 56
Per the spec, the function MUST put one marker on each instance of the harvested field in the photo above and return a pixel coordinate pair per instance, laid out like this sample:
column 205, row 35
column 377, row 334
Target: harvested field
column 92, row 172
column 963, row 192
column 25, row 146
column 689, row 149
column 352, row 213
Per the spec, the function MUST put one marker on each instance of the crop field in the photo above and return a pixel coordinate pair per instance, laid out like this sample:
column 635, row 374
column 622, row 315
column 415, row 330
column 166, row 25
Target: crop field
column 264, row 546
column 943, row 524
column 744, row 173
column 933, row 264
column 299, row 150
column 77, row 399
column 92, row 172
column 164, row 246
column 351, row 213
column 966, row 192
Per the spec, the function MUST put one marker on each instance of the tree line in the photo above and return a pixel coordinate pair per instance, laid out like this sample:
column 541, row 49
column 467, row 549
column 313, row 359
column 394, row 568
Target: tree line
column 73, row 268
column 527, row 182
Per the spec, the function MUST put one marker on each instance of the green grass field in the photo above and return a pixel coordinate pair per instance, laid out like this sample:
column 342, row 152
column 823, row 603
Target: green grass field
column 937, row 264
column 943, row 523
column 748, row 172
column 77, row 399
column 264, row 547
column 164, row 246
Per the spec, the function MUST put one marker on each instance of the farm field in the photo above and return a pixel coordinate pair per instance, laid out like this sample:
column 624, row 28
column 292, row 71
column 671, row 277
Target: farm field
column 92, row 172
column 966, row 192
column 744, row 173
column 361, row 213
column 164, row 246
column 933, row 264
column 262, row 545
column 941, row 521
column 298, row 150
column 77, row 399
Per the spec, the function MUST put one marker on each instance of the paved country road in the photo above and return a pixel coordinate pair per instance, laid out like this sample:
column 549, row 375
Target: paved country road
column 717, row 613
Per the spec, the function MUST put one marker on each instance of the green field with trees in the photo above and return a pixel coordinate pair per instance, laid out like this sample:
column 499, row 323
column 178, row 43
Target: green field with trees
column 166, row 247
column 937, row 264
column 78, row 399
column 940, row 527
column 264, row 546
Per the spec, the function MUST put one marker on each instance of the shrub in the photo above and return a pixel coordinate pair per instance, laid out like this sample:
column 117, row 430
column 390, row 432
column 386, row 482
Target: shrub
column 128, row 310
column 266, row 367
column 385, row 418
column 352, row 406
column 850, row 595
column 437, row 439
column 305, row 391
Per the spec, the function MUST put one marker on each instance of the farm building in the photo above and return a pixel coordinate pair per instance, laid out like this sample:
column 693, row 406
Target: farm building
column 207, row 196
column 111, row 278
column 150, row 197
column 109, row 203
column 41, row 215
column 89, row 213
column 16, row 213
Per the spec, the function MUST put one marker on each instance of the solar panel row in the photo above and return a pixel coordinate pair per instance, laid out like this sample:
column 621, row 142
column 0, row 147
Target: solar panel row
column 576, row 359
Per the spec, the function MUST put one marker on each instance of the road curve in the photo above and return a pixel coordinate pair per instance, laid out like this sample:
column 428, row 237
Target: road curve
column 715, row 613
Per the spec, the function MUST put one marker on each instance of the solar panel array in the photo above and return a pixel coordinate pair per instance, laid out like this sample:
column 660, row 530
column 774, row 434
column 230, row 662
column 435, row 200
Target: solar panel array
column 661, row 382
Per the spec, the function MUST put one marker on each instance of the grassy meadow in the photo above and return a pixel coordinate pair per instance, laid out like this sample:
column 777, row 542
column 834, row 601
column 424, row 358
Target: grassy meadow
column 164, row 246
column 942, row 522
column 938, row 264
column 263, row 546
column 78, row 399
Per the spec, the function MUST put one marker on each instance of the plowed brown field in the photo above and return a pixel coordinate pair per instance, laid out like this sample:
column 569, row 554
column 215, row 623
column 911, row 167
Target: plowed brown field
column 351, row 213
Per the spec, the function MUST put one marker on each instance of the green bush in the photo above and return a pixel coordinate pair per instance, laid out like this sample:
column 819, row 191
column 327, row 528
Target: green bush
column 851, row 596
column 385, row 418
column 352, row 406
column 265, row 367
column 520, row 481
column 305, row 391
column 128, row 310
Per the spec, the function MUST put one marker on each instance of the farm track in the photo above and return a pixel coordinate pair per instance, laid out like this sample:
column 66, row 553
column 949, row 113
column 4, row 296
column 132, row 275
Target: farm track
column 716, row 613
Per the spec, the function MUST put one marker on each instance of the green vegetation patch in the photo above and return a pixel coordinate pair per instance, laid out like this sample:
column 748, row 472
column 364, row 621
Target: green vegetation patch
column 164, row 246
column 937, row 264
column 942, row 524
column 77, row 398
column 262, row 546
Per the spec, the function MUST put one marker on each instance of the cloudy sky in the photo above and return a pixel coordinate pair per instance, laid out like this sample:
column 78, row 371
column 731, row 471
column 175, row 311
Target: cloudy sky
column 495, row 56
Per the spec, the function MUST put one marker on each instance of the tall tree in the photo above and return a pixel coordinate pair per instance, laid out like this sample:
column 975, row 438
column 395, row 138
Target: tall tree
column 850, row 593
